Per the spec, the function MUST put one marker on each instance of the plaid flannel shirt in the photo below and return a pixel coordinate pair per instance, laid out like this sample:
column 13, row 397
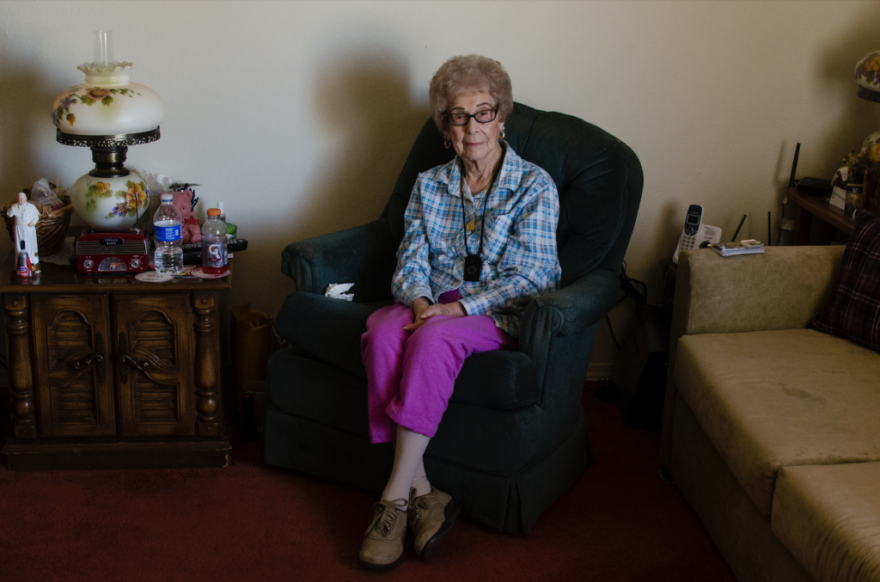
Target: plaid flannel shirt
column 519, row 246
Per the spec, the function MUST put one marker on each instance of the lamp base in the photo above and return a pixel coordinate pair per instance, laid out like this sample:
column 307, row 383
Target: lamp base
column 111, row 197
column 110, row 204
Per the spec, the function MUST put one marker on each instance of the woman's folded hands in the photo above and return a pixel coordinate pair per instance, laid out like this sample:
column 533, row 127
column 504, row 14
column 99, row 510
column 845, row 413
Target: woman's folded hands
column 423, row 311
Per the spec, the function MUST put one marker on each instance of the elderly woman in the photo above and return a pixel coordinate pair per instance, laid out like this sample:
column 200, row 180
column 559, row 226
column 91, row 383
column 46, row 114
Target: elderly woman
column 480, row 243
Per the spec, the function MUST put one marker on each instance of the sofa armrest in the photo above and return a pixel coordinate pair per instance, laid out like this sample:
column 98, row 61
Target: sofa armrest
column 784, row 288
column 364, row 255
column 566, row 311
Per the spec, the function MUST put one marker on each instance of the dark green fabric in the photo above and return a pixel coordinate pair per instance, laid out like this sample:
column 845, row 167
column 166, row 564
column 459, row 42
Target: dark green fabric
column 514, row 436
column 336, row 447
column 315, row 391
column 498, row 380
column 328, row 329
column 363, row 255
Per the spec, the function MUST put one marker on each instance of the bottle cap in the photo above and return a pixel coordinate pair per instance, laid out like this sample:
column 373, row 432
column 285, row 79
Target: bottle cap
column 166, row 197
column 213, row 212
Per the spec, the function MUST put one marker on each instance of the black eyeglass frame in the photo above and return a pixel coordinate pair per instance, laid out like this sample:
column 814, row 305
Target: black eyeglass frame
column 472, row 115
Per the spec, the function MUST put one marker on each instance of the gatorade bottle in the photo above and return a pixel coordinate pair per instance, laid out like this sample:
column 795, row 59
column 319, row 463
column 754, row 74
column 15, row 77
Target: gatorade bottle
column 214, row 243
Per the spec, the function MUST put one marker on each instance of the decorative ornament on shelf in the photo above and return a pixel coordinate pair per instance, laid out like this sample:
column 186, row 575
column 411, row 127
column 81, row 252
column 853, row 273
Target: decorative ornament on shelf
column 868, row 77
column 108, row 113
column 860, row 174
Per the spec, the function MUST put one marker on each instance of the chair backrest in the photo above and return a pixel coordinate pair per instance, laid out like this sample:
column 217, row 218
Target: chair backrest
column 599, row 179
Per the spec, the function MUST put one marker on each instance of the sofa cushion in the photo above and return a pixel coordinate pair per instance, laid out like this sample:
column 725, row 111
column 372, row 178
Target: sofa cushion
column 829, row 519
column 773, row 399
column 854, row 310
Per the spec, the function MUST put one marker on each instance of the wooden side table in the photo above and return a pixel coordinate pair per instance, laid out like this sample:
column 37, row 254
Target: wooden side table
column 810, row 206
column 109, row 372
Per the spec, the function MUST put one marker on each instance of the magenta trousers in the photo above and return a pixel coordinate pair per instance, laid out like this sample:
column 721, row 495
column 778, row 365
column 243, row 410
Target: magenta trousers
column 411, row 375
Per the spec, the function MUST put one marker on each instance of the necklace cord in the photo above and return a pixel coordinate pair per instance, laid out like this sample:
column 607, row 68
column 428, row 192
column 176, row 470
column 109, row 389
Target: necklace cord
column 482, row 219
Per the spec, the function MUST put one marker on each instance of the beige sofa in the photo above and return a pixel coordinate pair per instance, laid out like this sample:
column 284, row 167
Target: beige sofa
column 772, row 430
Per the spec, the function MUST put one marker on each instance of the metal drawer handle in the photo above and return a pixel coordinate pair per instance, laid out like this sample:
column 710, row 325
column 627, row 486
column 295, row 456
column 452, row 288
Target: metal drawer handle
column 87, row 363
column 142, row 367
column 95, row 360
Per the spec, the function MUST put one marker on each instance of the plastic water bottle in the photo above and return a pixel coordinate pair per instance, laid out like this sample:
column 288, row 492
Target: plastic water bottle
column 214, row 243
column 168, row 237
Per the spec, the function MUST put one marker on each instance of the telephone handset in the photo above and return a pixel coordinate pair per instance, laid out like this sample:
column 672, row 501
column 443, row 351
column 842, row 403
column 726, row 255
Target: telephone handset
column 695, row 232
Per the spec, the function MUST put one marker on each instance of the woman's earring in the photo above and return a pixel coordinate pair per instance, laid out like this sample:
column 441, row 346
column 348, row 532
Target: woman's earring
column 447, row 144
column 502, row 134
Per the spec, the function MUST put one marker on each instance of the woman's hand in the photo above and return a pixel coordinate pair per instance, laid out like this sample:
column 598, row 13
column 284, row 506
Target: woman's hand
column 423, row 311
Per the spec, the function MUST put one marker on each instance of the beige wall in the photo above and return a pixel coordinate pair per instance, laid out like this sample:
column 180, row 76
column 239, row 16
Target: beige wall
column 299, row 115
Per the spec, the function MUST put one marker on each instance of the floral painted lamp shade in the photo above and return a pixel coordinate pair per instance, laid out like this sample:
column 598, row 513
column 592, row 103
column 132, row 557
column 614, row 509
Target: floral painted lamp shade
column 108, row 113
column 107, row 103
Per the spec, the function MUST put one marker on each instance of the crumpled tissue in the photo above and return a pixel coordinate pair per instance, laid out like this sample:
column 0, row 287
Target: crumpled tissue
column 338, row 291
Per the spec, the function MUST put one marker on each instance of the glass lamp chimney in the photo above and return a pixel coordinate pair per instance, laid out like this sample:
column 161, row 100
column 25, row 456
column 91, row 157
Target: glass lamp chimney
column 104, row 46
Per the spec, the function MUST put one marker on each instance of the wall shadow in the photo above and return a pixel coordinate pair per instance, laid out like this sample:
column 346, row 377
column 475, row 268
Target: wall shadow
column 858, row 117
column 26, row 102
column 364, row 101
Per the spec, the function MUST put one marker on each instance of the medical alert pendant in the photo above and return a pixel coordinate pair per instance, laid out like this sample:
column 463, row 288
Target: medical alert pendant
column 470, row 226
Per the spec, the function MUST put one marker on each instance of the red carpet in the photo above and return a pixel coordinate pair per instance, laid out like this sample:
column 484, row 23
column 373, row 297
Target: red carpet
column 253, row 522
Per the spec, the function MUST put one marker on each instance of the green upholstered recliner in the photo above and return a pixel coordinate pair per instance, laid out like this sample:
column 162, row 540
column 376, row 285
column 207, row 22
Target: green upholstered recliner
column 514, row 437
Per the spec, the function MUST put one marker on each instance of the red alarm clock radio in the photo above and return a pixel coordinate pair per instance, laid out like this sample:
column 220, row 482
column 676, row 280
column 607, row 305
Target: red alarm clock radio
column 112, row 252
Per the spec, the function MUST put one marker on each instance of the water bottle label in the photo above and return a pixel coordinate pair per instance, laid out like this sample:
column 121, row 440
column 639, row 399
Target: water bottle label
column 168, row 233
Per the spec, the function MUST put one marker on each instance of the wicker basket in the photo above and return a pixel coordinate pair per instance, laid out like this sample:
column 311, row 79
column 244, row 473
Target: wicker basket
column 51, row 228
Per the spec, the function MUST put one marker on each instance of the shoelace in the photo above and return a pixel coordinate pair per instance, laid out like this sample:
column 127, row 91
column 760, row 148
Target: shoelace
column 391, row 512
column 418, row 506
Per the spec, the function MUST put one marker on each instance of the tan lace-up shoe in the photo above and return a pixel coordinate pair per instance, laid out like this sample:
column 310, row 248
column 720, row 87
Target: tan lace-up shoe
column 430, row 518
column 385, row 539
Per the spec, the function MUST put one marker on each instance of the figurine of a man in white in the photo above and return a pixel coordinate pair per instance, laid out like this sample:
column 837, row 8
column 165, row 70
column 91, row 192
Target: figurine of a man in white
column 26, row 218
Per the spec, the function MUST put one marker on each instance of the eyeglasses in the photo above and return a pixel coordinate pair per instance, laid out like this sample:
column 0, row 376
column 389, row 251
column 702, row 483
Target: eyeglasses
column 460, row 118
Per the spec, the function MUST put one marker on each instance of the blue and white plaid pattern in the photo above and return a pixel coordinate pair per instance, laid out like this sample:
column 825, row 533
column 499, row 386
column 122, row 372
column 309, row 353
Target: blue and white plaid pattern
column 519, row 247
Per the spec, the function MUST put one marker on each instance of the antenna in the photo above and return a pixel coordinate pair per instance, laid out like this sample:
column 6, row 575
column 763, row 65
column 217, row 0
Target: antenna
column 739, row 227
column 792, row 181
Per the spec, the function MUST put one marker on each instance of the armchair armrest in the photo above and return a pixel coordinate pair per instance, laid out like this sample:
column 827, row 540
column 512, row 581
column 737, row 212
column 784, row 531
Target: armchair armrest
column 565, row 312
column 363, row 255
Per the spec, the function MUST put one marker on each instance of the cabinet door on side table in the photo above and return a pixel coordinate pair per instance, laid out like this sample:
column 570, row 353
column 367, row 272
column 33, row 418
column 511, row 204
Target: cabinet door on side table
column 73, row 366
column 154, row 335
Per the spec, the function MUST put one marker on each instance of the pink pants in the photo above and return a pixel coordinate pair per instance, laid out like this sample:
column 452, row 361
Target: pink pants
column 411, row 375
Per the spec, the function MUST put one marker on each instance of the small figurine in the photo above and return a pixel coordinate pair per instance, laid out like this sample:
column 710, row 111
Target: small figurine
column 26, row 218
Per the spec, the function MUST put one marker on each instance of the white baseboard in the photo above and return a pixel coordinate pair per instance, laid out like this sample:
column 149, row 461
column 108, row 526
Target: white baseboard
column 598, row 370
